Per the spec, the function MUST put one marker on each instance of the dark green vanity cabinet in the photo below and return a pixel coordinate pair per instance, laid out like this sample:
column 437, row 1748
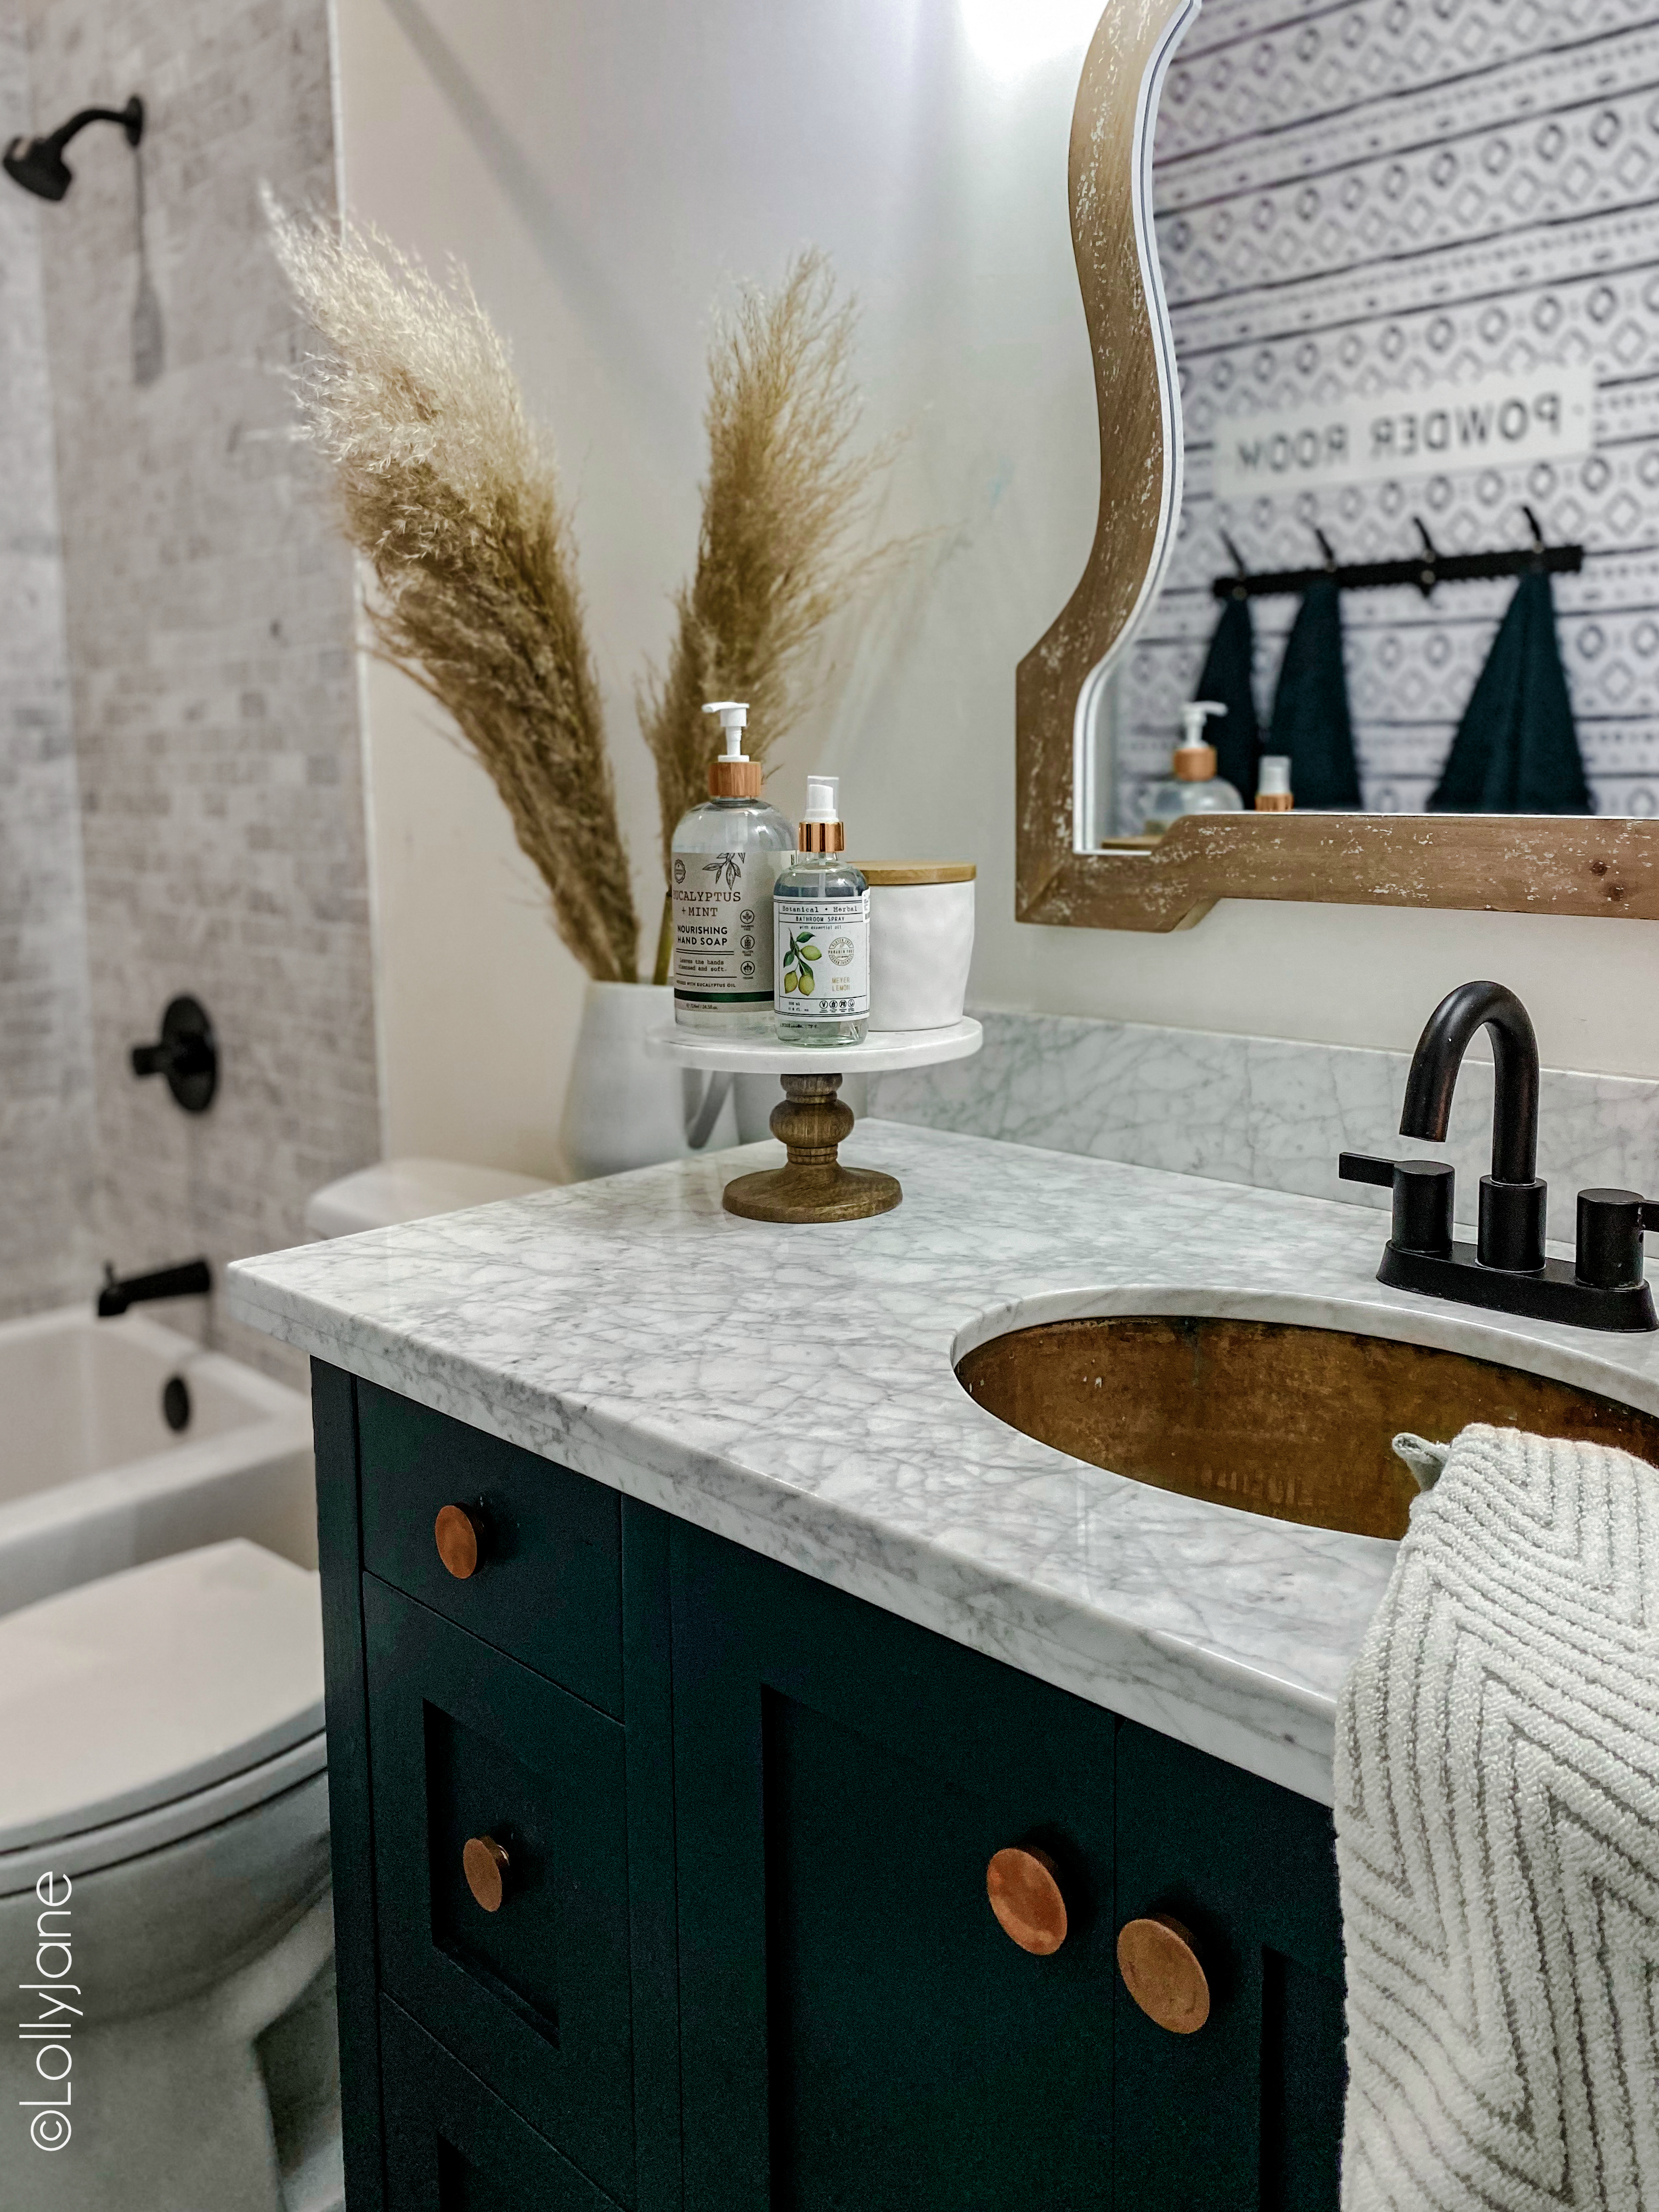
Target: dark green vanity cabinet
column 743, row 1960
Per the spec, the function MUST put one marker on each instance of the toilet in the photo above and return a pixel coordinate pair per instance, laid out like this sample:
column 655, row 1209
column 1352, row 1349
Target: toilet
column 164, row 1871
column 409, row 1190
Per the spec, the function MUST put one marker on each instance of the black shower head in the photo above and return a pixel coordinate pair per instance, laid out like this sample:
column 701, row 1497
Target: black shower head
column 38, row 164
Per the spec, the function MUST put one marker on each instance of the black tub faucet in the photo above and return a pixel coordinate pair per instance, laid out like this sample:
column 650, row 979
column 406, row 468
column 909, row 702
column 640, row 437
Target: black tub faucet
column 1506, row 1268
column 193, row 1278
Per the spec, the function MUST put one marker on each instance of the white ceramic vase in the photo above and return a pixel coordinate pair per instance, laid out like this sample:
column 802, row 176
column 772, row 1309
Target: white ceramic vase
column 623, row 1110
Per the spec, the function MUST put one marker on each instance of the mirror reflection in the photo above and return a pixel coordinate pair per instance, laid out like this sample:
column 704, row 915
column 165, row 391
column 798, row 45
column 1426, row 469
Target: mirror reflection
column 1417, row 328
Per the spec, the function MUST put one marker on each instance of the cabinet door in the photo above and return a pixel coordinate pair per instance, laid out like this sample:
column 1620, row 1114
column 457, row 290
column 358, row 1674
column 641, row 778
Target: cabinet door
column 453, row 2147
column 857, row 2033
column 1245, row 2114
column 530, row 1989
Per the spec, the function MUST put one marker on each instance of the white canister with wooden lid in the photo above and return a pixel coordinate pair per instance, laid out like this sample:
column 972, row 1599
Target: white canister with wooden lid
column 921, row 941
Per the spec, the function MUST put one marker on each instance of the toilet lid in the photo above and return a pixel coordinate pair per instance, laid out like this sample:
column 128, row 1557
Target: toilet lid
column 126, row 1693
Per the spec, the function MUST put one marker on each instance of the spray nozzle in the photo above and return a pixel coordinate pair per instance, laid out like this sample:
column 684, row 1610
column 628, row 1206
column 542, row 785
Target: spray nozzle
column 734, row 719
column 822, row 799
column 820, row 829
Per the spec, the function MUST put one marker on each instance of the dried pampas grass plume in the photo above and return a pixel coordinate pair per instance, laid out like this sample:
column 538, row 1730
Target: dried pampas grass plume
column 783, row 543
column 449, row 493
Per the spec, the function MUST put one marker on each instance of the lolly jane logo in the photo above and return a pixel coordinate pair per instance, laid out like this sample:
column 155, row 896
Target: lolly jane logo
column 51, row 2033
column 797, row 956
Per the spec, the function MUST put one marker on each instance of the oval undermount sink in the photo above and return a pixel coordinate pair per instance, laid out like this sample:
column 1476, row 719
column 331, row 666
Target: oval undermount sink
column 1270, row 1417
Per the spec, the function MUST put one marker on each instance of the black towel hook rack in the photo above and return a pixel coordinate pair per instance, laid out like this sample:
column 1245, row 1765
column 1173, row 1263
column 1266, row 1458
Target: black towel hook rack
column 1422, row 572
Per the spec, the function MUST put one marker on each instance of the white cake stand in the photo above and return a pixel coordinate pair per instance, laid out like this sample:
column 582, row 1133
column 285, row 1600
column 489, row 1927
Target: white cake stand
column 811, row 1121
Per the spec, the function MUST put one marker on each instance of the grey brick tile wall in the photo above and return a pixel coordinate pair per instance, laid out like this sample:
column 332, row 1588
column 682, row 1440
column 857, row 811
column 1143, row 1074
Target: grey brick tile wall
column 46, row 1073
column 208, row 617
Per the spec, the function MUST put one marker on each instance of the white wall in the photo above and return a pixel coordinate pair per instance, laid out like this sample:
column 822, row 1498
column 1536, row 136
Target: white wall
column 606, row 173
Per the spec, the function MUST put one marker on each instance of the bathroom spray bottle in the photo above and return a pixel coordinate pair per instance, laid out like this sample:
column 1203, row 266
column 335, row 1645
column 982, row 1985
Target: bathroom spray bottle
column 821, row 911
column 724, row 857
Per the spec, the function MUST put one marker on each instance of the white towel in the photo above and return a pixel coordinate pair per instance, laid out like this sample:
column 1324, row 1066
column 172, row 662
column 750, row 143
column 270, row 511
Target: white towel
column 1498, row 1842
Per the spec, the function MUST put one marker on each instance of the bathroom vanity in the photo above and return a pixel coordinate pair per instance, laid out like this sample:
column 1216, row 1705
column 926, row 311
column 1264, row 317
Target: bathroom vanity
column 748, row 1753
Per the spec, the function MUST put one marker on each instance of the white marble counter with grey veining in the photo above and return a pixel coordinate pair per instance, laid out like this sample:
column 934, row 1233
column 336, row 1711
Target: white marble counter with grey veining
column 793, row 1389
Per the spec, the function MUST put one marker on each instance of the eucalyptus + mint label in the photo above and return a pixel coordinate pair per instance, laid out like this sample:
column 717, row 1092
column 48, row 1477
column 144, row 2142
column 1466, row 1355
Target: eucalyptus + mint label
column 723, row 926
column 822, row 962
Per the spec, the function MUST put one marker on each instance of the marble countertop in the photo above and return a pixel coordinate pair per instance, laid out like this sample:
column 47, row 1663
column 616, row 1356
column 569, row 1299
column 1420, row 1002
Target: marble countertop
column 632, row 1329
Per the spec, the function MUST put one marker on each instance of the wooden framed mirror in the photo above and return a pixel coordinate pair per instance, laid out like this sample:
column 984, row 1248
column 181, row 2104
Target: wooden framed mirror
column 1078, row 864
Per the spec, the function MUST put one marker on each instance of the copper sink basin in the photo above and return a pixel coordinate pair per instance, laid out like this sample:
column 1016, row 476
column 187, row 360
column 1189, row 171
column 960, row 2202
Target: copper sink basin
column 1295, row 1423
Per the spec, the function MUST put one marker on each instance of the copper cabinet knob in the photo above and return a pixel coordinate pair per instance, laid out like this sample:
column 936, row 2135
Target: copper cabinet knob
column 456, row 1533
column 1025, row 1892
column 484, row 1862
column 1162, row 1971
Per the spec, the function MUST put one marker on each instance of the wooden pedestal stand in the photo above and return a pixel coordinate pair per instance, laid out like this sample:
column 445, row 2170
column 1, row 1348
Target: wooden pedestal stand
column 814, row 1187
column 813, row 1120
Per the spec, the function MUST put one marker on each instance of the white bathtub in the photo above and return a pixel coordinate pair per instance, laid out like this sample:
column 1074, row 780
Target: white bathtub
column 92, row 1477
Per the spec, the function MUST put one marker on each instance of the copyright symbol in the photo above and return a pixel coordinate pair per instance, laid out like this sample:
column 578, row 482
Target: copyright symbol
column 49, row 2130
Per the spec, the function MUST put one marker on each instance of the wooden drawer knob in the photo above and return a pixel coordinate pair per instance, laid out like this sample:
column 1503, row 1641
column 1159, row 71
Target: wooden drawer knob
column 1025, row 1892
column 456, row 1533
column 1162, row 1972
column 485, row 1863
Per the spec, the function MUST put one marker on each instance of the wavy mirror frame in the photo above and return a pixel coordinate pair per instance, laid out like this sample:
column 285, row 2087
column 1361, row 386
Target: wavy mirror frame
column 1508, row 864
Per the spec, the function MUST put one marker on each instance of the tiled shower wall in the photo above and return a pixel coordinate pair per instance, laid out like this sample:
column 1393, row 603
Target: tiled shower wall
column 208, row 614
column 1355, row 195
column 45, row 1076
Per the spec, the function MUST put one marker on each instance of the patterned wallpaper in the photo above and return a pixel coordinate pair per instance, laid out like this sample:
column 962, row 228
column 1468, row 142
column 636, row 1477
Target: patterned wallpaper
column 1359, row 196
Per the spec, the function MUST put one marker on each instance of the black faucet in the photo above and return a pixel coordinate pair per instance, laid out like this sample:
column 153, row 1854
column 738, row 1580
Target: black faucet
column 193, row 1278
column 1506, row 1269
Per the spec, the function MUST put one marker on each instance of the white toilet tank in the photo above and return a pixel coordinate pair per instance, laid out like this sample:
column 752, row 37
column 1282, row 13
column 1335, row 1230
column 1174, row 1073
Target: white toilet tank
column 409, row 1190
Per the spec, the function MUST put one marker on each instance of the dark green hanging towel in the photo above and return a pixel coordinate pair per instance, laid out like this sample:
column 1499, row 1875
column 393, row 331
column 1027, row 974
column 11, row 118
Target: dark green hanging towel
column 1229, row 670
column 1517, row 750
column 1310, row 719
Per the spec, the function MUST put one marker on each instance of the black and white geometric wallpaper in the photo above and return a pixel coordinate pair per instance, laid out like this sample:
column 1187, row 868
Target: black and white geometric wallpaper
column 1361, row 196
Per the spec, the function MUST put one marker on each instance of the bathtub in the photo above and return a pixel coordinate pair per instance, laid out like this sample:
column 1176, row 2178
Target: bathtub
column 94, row 1476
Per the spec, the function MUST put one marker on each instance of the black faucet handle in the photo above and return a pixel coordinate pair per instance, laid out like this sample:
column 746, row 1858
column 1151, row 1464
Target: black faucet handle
column 1366, row 1167
column 185, row 1052
column 1610, row 1226
column 1422, row 1198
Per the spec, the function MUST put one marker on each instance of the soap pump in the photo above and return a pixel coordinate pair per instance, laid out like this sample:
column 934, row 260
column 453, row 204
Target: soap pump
column 1192, row 785
column 725, row 857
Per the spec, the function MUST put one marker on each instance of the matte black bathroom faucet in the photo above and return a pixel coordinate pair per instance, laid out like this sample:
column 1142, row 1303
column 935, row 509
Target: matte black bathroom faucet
column 1505, row 1269
column 193, row 1279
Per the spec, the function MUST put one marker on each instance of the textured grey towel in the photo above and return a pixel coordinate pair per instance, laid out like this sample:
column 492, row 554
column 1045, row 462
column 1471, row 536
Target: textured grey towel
column 1498, row 1841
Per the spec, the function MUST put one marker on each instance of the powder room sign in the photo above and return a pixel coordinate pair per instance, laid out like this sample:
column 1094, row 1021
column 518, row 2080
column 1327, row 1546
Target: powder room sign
column 1543, row 415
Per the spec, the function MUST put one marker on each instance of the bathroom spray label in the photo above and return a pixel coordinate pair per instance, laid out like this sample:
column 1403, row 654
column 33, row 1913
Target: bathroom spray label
column 823, row 957
column 723, row 927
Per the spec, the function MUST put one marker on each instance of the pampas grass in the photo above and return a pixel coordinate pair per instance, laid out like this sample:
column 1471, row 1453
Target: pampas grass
column 784, row 542
column 448, row 492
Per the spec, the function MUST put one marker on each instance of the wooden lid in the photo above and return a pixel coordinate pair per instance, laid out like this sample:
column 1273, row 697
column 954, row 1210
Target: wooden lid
column 734, row 779
column 917, row 871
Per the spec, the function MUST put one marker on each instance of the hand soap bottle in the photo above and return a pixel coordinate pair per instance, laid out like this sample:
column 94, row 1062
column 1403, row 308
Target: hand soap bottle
column 725, row 857
column 821, row 912
column 1192, row 785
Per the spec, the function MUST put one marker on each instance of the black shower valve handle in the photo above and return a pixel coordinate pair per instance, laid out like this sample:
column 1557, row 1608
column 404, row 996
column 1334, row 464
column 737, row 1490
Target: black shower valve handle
column 186, row 1053
column 1610, row 1226
column 1422, row 1198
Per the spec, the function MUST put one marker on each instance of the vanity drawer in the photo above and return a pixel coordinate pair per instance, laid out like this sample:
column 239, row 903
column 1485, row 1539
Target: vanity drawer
column 452, row 2146
column 544, row 1546
column 502, row 1876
